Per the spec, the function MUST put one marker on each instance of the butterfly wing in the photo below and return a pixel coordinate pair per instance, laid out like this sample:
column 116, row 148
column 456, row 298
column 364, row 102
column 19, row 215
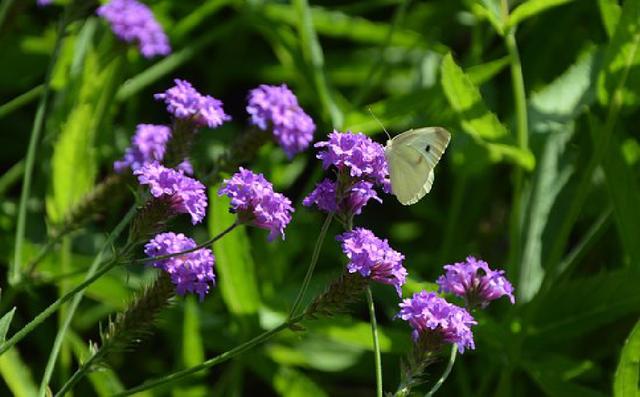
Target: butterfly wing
column 412, row 156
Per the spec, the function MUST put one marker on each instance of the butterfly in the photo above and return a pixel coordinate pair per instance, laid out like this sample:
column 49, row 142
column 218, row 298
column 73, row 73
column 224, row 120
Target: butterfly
column 411, row 157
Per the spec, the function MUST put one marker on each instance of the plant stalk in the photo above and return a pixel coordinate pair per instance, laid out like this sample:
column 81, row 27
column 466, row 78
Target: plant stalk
column 376, row 341
column 447, row 371
column 312, row 265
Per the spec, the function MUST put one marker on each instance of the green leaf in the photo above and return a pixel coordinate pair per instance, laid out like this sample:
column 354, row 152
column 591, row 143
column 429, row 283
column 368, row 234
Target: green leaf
column 610, row 12
column 574, row 308
column 500, row 152
column 357, row 334
column 17, row 375
column 619, row 75
column 622, row 185
column 234, row 264
column 627, row 376
column 489, row 10
column 480, row 74
column 555, row 386
column 561, row 101
column 5, row 321
column 192, row 347
column 465, row 98
column 530, row 9
column 74, row 165
column 551, row 177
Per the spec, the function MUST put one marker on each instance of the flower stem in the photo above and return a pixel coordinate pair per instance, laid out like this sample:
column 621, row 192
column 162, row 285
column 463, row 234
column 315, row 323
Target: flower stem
column 522, row 134
column 14, row 269
column 199, row 246
column 312, row 265
column 76, row 301
column 129, row 327
column 376, row 342
column 213, row 361
column 54, row 306
column 447, row 371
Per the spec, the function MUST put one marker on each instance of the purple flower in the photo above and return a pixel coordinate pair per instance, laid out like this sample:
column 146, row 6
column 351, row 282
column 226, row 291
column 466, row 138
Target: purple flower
column 133, row 22
column 435, row 320
column 185, row 102
column 255, row 202
column 373, row 258
column 192, row 272
column 351, row 203
column 148, row 145
column 356, row 153
column 186, row 195
column 44, row 3
column 475, row 282
column 277, row 106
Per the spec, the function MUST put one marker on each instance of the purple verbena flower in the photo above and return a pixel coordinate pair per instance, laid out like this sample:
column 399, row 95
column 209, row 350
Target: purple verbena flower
column 148, row 145
column 186, row 195
column 277, row 107
column 133, row 22
column 325, row 196
column 475, row 282
column 435, row 320
column 356, row 153
column 255, row 202
column 373, row 258
column 185, row 102
column 191, row 272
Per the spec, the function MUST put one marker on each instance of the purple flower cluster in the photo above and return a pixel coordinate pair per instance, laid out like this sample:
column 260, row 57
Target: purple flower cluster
column 186, row 195
column 437, row 321
column 185, row 102
column 356, row 153
column 133, row 22
column 373, row 258
column 475, row 282
column 148, row 145
column 192, row 272
column 43, row 3
column 277, row 107
column 325, row 196
column 256, row 203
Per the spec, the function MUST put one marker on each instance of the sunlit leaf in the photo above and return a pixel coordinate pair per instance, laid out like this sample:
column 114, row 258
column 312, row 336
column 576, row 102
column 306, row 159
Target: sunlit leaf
column 234, row 264
column 627, row 376
column 619, row 75
column 530, row 9
column 465, row 98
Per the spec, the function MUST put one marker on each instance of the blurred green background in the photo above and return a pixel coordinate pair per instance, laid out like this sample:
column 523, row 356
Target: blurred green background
column 539, row 179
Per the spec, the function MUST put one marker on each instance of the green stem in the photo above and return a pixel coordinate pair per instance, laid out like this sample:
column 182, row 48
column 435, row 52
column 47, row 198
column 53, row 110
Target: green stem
column 522, row 134
column 14, row 269
column 376, row 342
column 76, row 301
column 18, row 336
column 312, row 265
column 13, row 175
column 447, row 371
column 21, row 100
column 197, row 247
column 213, row 361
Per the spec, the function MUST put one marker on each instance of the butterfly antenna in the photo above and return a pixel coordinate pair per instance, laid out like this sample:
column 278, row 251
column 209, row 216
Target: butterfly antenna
column 381, row 125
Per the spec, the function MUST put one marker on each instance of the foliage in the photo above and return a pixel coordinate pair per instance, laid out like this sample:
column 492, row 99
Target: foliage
column 558, row 210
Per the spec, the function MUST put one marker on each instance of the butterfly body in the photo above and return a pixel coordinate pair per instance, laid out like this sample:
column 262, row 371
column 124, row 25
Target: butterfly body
column 411, row 157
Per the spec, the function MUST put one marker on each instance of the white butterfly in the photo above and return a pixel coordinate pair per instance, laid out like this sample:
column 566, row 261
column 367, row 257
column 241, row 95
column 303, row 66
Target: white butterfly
column 412, row 156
